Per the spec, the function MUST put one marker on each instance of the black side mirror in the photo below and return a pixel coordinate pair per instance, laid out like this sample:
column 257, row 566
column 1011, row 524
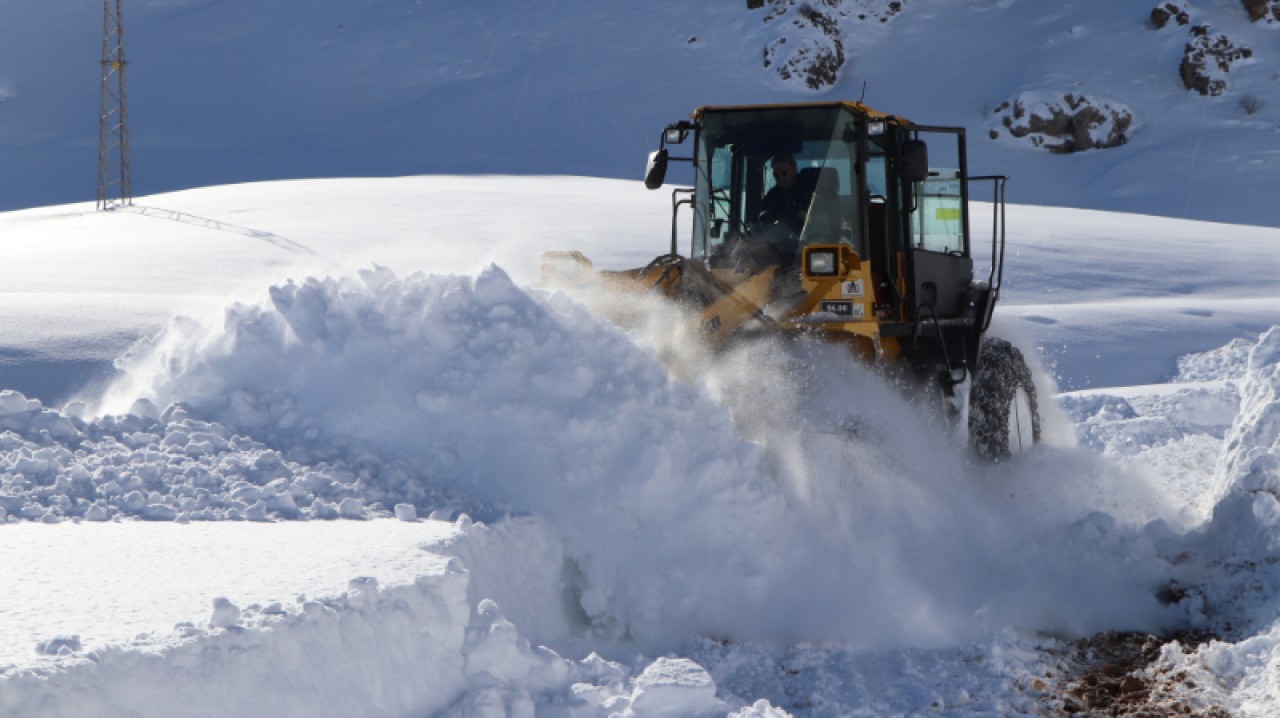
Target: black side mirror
column 656, row 170
column 915, row 161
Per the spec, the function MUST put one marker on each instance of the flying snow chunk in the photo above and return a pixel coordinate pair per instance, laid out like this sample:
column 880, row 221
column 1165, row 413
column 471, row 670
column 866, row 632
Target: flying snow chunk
column 406, row 512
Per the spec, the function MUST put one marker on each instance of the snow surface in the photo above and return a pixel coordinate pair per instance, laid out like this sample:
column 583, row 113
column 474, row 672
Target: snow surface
column 47, row 567
column 604, row 532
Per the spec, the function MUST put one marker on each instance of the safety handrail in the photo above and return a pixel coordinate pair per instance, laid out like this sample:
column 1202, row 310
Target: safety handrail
column 996, row 276
column 675, row 212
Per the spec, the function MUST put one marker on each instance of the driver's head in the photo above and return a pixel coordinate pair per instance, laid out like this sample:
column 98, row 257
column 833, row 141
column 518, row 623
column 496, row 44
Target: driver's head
column 784, row 171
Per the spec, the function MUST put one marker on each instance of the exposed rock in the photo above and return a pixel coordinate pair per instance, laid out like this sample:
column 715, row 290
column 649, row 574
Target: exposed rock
column 1072, row 123
column 1207, row 58
column 815, row 63
column 816, row 60
column 1265, row 10
column 1178, row 12
column 810, row 43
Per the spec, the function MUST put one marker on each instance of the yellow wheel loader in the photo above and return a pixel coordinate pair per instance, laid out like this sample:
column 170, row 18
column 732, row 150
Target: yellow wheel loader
column 868, row 245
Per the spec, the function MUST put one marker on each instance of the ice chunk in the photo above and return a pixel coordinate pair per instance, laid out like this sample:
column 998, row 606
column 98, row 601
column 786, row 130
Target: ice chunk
column 59, row 646
column 145, row 408
column 12, row 402
column 674, row 686
column 225, row 614
column 256, row 512
column 406, row 512
column 496, row 653
column 361, row 591
column 760, row 709
column 351, row 508
column 159, row 512
column 493, row 287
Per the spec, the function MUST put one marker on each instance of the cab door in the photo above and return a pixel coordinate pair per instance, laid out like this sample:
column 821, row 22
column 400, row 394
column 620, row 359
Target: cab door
column 939, row 266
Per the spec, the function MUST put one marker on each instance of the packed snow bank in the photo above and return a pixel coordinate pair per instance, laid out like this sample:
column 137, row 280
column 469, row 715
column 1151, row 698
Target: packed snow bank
column 285, row 657
column 130, row 583
column 1243, row 534
column 299, row 667
column 724, row 506
column 410, row 638
column 1249, row 470
column 1173, row 432
column 1226, row 572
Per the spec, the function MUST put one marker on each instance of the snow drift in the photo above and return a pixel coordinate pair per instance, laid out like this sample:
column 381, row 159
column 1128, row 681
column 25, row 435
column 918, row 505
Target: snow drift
column 348, row 397
column 1220, row 415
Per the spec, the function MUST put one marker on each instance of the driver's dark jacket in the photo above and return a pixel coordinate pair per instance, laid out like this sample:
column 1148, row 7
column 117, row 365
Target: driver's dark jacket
column 787, row 207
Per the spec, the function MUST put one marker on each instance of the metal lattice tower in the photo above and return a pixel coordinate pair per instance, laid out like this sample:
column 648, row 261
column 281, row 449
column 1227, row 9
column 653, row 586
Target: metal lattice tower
column 115, row 185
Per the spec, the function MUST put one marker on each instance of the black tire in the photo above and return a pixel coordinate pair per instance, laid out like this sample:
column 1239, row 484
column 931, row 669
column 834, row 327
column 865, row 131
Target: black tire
column 1000, row 399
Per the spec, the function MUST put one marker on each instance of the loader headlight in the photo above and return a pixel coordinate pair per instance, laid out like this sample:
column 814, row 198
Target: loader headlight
column 821, row 263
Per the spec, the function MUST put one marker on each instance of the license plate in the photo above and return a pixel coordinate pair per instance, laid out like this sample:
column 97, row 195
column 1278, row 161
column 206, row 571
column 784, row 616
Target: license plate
column 843, row 308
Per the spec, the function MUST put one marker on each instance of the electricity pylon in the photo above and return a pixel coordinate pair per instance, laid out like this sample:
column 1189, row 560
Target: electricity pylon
column 115, row 185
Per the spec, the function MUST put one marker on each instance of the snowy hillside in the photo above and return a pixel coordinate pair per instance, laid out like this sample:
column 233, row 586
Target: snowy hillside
column 1166, row 108
column 322, row 448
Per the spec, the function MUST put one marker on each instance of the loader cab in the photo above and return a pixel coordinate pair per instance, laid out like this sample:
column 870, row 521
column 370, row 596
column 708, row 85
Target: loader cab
column 893, row 192
column 877, row 260
column 734, row 159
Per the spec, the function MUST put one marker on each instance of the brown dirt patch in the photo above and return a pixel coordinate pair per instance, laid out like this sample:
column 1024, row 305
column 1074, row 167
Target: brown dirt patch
column 1117, row 674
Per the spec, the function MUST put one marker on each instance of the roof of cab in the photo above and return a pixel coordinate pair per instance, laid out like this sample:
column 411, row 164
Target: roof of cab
column 856, row 107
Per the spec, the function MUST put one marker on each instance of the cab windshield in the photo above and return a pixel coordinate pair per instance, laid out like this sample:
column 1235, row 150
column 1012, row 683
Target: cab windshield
column 745, row 187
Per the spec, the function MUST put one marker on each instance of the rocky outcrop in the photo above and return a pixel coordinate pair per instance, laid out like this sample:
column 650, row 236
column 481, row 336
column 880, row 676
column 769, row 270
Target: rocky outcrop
column 1263, row 10
column 1162, row 15
column 1070, row 123
column 812, row 58
column 809, row 46
column 1207, row 59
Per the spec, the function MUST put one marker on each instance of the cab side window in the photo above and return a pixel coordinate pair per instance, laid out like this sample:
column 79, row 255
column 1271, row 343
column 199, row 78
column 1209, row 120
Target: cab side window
column 937, row 222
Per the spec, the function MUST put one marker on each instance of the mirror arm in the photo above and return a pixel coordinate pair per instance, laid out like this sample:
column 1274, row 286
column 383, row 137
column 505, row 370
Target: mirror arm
column 656, row 171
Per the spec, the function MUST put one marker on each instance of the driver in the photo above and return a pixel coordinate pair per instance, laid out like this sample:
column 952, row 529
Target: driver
column 788, row 201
